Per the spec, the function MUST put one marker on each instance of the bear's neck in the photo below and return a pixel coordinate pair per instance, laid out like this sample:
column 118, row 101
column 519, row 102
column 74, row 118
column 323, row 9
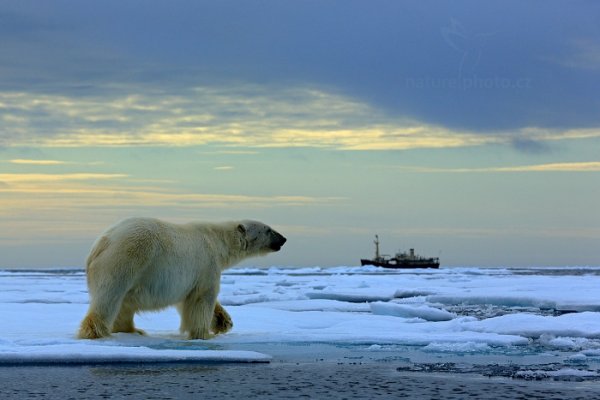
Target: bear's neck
column 231, row 249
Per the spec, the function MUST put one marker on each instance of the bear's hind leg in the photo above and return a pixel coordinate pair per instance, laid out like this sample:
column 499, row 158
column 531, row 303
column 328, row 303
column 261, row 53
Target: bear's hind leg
column 106, row 300
column 100, row 317
column 93, row 326
column 99, row 320
column 124, row 321
column 221, row 322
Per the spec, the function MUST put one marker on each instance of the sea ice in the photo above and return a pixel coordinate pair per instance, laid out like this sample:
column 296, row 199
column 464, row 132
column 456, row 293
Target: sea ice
column 438, row 311
column 423, row 312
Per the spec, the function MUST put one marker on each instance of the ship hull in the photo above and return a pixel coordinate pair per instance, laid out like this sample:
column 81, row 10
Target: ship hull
column 402, row 265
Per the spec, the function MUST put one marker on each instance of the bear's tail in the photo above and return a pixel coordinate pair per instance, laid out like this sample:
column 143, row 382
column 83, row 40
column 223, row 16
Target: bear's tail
column 93, row 327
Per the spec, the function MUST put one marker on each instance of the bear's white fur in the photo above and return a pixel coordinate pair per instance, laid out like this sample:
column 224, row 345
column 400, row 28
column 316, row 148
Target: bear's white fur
column 144, row 264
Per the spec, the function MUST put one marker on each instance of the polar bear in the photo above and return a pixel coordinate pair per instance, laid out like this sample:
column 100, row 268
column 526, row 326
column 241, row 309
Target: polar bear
column 145, row 264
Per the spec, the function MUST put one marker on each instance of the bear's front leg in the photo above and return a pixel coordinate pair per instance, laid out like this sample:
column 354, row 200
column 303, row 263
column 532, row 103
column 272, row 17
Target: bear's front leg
column 221, row 322
column 197, row 313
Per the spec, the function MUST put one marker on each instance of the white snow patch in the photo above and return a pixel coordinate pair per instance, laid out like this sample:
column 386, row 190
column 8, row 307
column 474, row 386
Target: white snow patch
column 424, row 312
column 504, row 301
column 350, row 297
column 315, row 305
column 585, row 324
column 83, row 353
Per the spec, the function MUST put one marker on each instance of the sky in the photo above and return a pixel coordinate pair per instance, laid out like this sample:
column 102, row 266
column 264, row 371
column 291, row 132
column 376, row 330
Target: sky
column 467, row 130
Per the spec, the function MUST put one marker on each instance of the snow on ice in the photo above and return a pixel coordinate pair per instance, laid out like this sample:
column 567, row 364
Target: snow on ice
column 450, row 310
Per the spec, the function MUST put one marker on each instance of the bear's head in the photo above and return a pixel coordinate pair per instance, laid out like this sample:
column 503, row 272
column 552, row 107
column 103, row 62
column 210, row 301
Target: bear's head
column 260, row 238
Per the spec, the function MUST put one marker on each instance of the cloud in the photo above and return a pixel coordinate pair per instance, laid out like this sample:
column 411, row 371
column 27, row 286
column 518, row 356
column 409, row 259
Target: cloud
column 85, row 191
column 150, row 197
column 86, row 49
column 244, row 116
column 67, row 207
column 585, row 55
column 37, row 162
column 19, row 178
column 229, row 152
column 528, row 145
column 445, row 231
column 589, row 166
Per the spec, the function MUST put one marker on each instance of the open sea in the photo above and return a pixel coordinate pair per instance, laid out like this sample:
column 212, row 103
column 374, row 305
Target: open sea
column 318, row 380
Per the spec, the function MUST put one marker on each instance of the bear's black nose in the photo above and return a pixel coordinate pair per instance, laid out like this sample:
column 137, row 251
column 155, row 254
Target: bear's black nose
column 277, row 242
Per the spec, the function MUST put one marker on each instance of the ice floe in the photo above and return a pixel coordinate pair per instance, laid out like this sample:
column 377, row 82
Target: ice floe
column 450, row 310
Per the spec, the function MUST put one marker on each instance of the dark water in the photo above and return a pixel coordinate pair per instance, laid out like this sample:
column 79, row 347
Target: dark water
column 271, row 381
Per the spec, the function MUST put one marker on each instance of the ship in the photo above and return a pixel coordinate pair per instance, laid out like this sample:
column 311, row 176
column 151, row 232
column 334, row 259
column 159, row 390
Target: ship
column 400, row 260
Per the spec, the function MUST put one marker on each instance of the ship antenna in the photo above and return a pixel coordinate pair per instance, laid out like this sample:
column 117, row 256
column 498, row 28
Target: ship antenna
column 376, row 247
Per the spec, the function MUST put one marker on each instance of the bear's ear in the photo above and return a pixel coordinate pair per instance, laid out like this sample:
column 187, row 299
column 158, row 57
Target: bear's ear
column 243, row 238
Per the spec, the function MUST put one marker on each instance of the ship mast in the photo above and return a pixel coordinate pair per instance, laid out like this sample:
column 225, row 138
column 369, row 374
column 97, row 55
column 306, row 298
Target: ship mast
column 376, row 247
